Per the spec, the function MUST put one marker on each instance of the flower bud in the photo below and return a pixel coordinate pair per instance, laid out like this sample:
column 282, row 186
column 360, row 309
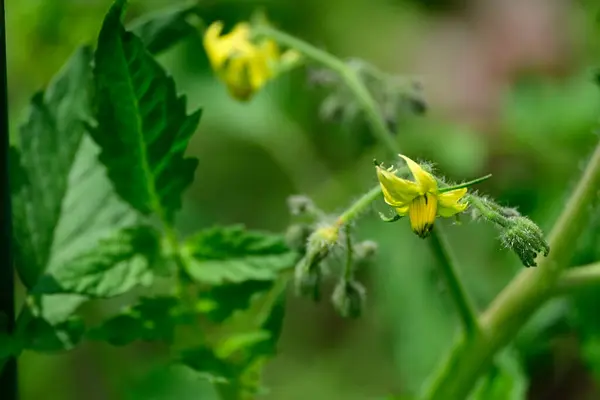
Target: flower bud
column 308, row 276
column 296, row 237
column 364, row 252
column 300, row 205
column 349, row 298
column 526, row 239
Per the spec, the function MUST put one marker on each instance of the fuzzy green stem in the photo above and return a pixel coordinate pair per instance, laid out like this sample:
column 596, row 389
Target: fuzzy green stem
column 345, row 72
column 385, row 137
column 466, row 310
column 359, row 206
column 349, row 268
column 578, row 278
column 517, row 302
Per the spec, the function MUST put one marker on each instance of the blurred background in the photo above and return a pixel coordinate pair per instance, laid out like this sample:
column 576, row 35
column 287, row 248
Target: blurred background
column 510, row 91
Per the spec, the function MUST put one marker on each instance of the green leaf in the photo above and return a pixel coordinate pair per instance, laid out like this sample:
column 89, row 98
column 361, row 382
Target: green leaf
column 161, row 30
column 229, row 298
column 143, row 129
column 204, row 359
column 48, row 141
column 505, row 381
column 233, row 254
column 152, row 318
column 168, row 382
column 115, row 266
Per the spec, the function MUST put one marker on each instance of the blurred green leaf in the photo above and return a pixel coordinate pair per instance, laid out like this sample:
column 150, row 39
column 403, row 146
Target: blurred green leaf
column 170, row 382
column 163, row 29
column 229, row 298
column 143, row 129
column 40, row 335
column 48, row 141
column 115, row 266
column 152, row 318
column 233, row 254
column 505, row 381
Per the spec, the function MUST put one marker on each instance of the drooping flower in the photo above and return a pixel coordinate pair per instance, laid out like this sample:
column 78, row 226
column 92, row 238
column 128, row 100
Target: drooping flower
column 243, row 64
column 420, row 199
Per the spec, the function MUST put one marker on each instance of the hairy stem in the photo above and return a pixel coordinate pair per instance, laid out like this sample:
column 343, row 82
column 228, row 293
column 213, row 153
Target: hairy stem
column 382, row 133
column 466, row 310
column 347, row 74
column 511, row 309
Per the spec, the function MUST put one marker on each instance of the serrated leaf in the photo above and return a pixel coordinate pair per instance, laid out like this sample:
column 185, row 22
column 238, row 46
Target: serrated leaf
column 115, row 266
column 143, row 129
column 233, row 254
column 163, row 29
column 152, row 318
column 48, row 141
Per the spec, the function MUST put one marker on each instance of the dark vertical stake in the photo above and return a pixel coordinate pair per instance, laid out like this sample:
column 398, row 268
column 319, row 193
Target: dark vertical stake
column 8, row 375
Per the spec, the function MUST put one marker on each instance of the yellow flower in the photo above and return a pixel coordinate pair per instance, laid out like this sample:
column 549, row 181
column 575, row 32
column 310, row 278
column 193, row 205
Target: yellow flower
column 421, row 199
column 243, row 65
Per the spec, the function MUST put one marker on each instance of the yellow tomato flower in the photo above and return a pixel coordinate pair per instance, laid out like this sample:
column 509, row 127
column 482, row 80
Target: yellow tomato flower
column 243, row 65
column 421, row 199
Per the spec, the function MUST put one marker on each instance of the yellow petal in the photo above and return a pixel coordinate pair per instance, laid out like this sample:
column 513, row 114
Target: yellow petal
column 449, row 202
column 424, row 180
column 260, row 69
column 422, row 212
column 397, row 192
column 236, row 77
column 216, row 54
column 402, row 211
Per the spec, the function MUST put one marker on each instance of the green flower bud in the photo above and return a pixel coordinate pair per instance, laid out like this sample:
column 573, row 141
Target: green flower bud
column 308, row 276
column 517, row 233
column 297, row 236
column 301, row 205
column 364, row 252
column 526, row 239
column 348, row 298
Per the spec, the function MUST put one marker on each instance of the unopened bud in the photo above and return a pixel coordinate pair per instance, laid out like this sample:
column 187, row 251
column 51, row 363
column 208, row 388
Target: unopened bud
column 526, row 239
column 308, row 276
column 300, row 205
column 296, row 237
column 348, row 298
column 364, row 252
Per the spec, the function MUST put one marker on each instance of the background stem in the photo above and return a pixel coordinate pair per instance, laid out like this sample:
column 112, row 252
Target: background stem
column 8, row 374
column 443, row 253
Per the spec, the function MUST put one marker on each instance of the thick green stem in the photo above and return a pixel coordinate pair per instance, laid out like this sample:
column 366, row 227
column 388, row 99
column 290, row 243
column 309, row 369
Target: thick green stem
column 466, row 310
column 515, row 304
column 346, row 73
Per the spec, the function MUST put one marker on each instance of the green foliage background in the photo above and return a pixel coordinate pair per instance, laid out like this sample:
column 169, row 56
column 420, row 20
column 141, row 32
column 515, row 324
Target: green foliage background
column 252, row 156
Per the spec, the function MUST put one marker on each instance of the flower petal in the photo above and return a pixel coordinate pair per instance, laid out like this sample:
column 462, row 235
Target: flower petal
column 216, row 53
column 449, row 202
column 424, row 179
column 397, row 192
column 402, row 211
